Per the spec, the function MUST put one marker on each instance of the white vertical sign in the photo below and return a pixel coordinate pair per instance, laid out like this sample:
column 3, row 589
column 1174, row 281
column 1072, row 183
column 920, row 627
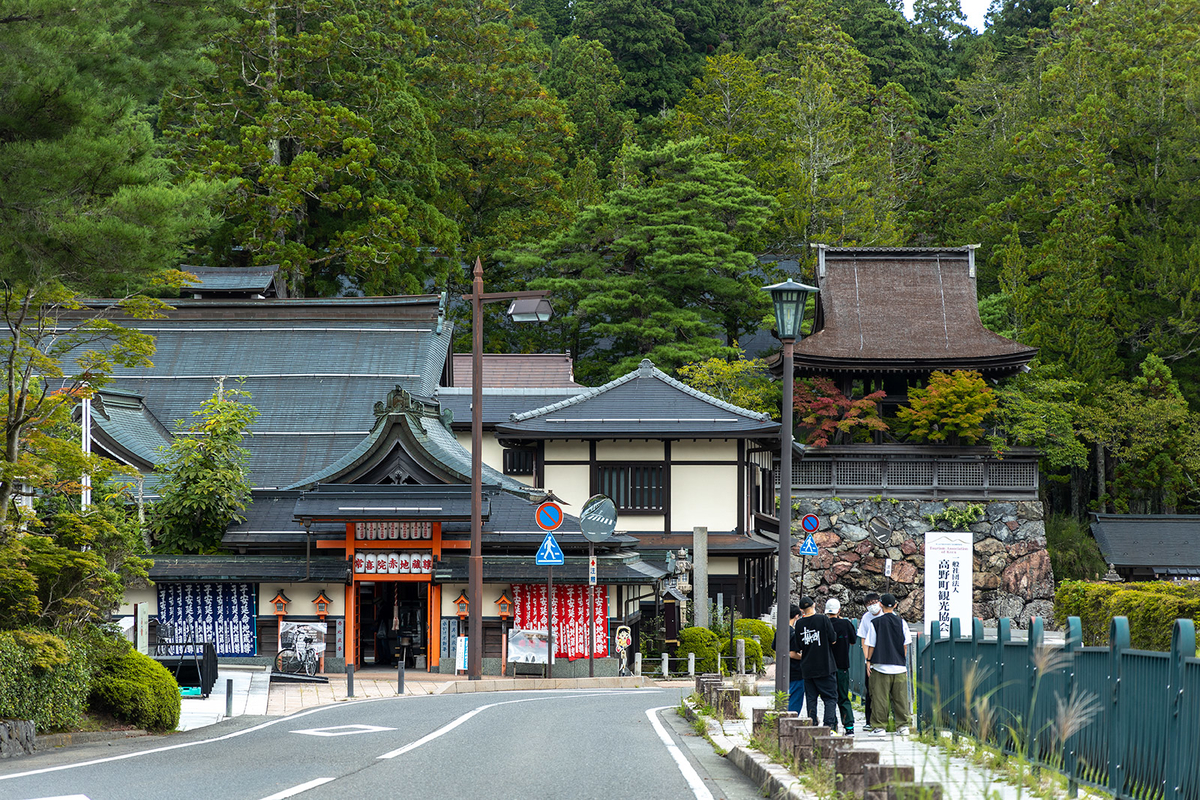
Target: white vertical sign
column 461, row 655
column 949, row 579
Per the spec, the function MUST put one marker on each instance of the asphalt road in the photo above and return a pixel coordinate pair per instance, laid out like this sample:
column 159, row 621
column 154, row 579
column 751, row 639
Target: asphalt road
column 559, row 744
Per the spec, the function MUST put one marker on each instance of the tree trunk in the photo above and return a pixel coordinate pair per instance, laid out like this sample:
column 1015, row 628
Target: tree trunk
column 1101, row 486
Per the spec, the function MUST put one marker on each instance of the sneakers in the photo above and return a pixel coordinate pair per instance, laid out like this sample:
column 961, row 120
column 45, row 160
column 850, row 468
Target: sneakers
column 903, row 731
column 849, row 731
column 876, row 731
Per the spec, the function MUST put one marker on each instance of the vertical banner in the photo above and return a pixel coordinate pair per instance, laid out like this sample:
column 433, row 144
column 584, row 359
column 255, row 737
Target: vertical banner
column 570, row 616
column 221, row 613
column 949, row 579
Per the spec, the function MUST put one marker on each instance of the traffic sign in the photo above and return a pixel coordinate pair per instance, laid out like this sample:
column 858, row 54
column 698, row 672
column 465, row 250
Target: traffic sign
column 549, row 554
column 549, row 516
column 598, row 518
column 810, row 523
column 809, row 548
column 592, row 571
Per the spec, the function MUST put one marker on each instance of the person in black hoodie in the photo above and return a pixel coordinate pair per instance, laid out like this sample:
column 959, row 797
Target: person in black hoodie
column 815, row 637
column 846, row 635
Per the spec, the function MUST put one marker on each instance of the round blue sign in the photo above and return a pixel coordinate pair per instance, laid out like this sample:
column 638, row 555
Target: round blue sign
column 549, row 516
column 810, row 523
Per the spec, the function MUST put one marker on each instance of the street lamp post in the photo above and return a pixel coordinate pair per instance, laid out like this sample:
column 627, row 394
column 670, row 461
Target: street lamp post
column 790, row 299
column 525, row 307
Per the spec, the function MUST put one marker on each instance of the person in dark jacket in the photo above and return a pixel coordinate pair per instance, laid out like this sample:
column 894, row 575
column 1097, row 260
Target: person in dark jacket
column 887, row 668
column 795, row 678
column 815, row 637
column 844, row 629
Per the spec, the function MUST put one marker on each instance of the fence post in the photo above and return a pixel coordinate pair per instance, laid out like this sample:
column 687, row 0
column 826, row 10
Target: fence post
column 741, row 656
column 1003, row 637
column 666, row 665
column 955, row 677
column 1118, row 643
column 1033, row 735
column 1070, row 747
column 637, row 664
column 931, row 689
column 691, row 665
column 1183, row 647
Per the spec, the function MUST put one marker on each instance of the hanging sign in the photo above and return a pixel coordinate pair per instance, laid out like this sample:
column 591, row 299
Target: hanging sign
column 592, row 571
column 949, row 578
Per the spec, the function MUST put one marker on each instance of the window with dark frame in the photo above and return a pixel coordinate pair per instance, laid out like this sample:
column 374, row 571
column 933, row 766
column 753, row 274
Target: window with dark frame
column 636, row 486
column 519, row 460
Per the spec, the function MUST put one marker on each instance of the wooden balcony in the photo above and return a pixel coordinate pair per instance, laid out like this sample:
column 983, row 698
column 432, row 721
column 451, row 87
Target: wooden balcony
column 915, row 472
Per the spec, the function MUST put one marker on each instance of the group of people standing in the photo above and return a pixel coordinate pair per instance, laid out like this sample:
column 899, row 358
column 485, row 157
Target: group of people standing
column 820, row 663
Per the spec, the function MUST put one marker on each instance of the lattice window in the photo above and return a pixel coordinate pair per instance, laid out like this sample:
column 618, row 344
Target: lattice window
column 910, row 473
column 812, row 473
column 859, row 473
column 1013, row 475
column 519, row 460
column 633, row 487
column 960, row 473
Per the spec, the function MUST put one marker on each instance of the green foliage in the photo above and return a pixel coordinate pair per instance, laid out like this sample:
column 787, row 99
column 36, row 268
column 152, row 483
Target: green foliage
column 1074, row 554
column 957, row 516
column 744, row 382
column 1151, row 608
column 136, row 689
column 587, row 81
column 205, row 480
column 754, row 653
column 756, row 627
column 704, row 643
column 829, row 414
column 951, row 408
column 42, row 678
column 1038, row 409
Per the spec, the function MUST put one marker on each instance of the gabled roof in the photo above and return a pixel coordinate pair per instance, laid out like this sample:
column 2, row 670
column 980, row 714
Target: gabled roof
column 1158, row 541
column 646, row 403
column 902, row 309
column 127, row 430
column 227, row 281
column 365, row 502
column 498, row 404
column 314, row 368
column 513, row 370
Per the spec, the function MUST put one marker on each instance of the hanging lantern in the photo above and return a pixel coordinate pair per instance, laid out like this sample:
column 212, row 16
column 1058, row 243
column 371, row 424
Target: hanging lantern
column 280, row 601
column 461, row 603
column 322, row 603
column 506, row 606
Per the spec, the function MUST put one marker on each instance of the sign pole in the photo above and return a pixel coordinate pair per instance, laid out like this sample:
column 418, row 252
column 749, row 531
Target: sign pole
column 592, row 614
column 549, row 622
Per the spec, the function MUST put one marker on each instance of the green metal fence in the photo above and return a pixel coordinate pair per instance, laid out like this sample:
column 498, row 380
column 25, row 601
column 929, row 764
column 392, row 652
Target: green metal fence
column 1120, row 719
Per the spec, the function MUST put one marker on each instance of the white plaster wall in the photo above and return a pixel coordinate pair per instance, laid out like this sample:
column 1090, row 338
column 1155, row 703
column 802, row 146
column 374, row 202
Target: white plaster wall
column 301, row 595
column 703, row 495
column 147, row 595
column 493, row 453
column 641, row 522
column 491, row 593
column 572, row 483
column 722, row 566
column 704, row 450
column 567, row 450
column 629, row 450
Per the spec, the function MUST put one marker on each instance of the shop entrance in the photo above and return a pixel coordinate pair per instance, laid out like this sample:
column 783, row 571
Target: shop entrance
column 392, row 623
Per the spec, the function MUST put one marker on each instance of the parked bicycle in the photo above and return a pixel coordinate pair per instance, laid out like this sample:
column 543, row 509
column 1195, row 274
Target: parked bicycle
column 300, row 657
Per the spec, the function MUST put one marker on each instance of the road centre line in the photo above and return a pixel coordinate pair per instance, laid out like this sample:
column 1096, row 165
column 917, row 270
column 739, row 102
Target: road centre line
column 460, row 720
column 235, row 734
column 295, row 790
column 689, row 773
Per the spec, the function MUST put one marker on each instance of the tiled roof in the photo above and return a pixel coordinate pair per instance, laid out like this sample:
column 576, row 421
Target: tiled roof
column 314, row 369
column 498, row 404
column 902, row 309
column 645, row 402
column 1159, row 541
column 231, row 279
column 517, row 370
column 353, row 502
column 320, row 569
column 518, row 569
column 718, row 543
column 126, row 422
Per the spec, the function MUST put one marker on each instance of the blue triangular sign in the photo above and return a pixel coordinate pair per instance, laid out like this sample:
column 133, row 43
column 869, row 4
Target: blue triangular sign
column 809, row 548
column 549, row 554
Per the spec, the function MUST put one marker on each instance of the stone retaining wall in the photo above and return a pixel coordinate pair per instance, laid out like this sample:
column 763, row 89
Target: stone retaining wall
column 16, row 737
column 1012, row 567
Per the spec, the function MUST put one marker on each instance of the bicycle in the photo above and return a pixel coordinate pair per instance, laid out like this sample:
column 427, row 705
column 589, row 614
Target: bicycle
column 300, row 657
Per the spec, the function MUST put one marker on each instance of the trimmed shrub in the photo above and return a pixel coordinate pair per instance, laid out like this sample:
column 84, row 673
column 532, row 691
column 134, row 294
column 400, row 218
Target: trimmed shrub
column 755, row 627
column 42, row 678
column 704, row 643
column 137, row 689
column 1151, row 607
column 754, row 654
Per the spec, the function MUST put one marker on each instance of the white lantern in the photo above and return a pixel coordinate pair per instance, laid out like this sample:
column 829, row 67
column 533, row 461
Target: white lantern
column 372, row 563
column 360, row 563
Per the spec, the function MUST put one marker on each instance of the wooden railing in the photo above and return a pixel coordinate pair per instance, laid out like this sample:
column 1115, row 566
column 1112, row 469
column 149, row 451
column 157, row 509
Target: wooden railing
column 915, row 472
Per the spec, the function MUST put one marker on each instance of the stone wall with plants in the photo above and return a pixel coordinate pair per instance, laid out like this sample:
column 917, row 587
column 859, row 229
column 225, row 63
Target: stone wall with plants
column 1012, row 576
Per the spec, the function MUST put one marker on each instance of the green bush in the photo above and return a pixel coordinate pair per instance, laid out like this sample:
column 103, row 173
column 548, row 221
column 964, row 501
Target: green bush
column 1151, row 608
column 754, row 653
column 42, row 678
column 1074, row 554
column 704, row 643
column 137, row 689
column 755, row 627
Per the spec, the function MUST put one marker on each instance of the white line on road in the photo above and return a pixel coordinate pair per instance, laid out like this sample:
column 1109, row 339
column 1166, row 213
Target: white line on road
column 460, row 720
column 689, row 773
column 295, row 790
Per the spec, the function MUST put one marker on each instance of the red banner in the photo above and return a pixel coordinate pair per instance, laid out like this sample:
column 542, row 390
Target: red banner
column 570, row 617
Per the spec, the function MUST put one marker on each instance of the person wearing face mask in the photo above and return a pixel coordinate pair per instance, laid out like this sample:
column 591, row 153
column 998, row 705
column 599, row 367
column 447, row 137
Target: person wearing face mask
column 874, row 609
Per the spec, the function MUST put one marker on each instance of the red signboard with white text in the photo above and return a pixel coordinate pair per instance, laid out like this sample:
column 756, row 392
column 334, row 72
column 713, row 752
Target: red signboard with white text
column 570, row 616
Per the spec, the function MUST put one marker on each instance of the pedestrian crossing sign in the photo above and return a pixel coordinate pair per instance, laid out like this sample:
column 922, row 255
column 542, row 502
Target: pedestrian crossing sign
column 809, row 548
column 549, row 554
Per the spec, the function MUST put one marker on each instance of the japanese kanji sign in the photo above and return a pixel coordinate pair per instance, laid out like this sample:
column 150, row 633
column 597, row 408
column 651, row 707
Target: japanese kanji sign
column 570, row 616
column 949, row 579
column 221, row 613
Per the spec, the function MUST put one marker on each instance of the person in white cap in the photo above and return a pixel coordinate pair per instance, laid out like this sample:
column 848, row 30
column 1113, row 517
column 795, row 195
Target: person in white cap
column 846, row 635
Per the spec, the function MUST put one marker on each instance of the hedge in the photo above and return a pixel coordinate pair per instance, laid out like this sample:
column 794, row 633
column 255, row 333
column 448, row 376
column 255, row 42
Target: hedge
column 755, row 627
column 754, row 654
column 1151, row 607
column 704, row 643
column 42, row 678
column 137, row 689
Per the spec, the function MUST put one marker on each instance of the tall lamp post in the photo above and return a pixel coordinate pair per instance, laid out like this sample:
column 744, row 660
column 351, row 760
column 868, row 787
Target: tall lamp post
column 525, row 307
column 790, row 299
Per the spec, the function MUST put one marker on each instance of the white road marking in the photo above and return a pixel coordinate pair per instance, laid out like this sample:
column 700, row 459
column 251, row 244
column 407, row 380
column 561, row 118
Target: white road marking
column 689, row 773
column 295, row 790
column 65, row 797
column 343, row 730
column 460, row 720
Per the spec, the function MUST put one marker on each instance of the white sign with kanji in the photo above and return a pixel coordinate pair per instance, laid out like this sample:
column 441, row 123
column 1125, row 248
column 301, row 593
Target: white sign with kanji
column 949, row 579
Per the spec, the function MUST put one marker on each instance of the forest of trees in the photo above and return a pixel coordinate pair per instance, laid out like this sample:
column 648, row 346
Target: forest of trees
column 635, row 157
